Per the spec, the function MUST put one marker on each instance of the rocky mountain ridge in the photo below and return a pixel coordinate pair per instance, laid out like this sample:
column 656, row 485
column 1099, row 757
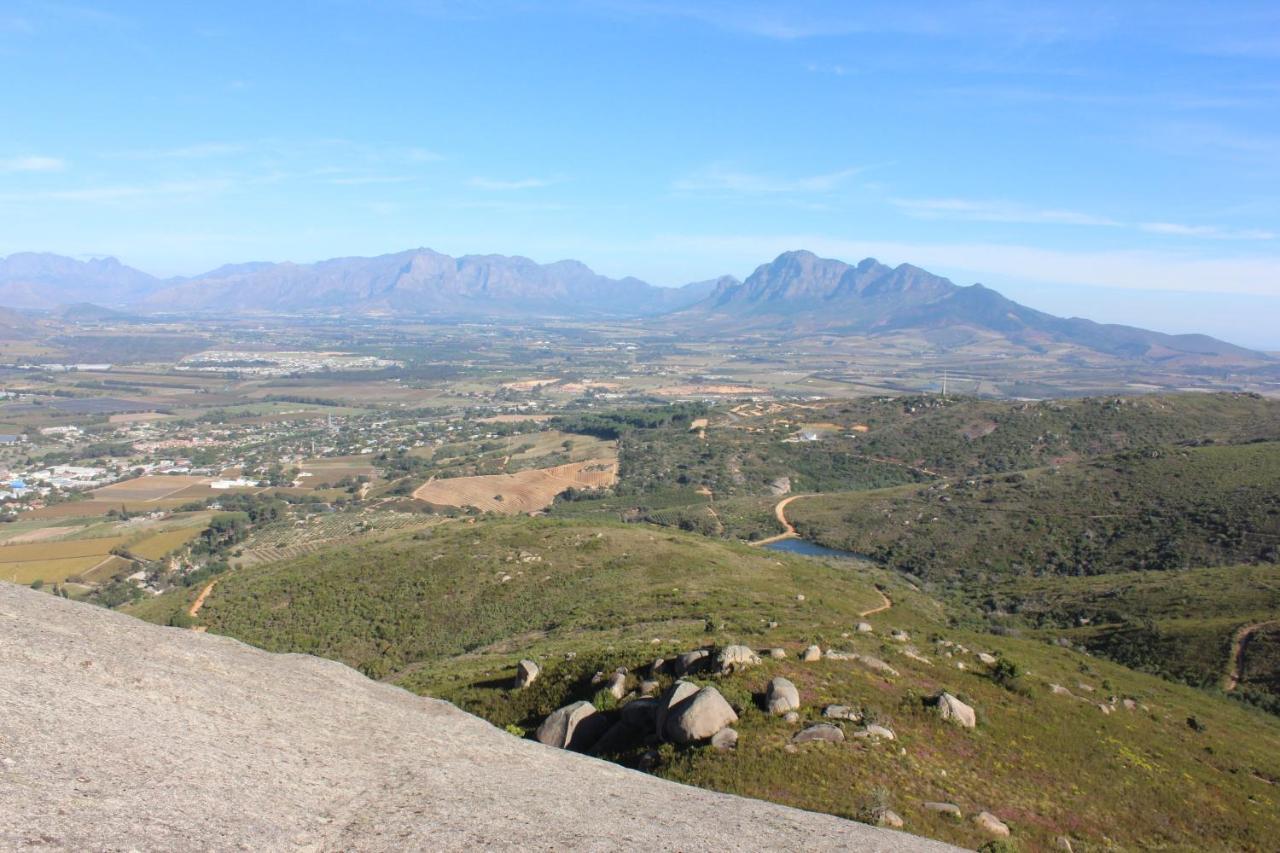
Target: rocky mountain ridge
column 796, row 293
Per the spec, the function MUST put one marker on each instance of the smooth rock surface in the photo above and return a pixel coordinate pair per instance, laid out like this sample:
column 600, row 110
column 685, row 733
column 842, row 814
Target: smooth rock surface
column 819, row 732
column 526, row 673
column 991, row 824
column 735, row 658
column 576, row 726
column 700, row 717
column 781, row 696
column 953, row 710
column 129, row 736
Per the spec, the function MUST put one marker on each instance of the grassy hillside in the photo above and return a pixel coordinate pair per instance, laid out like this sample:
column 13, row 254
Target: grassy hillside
column 710, row 481
column 958, row 437
column 1182, row 629
column 450, row 611
column 1168, row 508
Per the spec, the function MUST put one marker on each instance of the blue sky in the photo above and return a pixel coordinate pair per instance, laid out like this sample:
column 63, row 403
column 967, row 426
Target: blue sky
column 1113, row 160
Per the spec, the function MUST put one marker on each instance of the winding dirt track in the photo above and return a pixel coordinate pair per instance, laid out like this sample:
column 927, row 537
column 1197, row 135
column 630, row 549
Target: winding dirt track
column 888, row 602
column 780, row 512
column 1235, row 664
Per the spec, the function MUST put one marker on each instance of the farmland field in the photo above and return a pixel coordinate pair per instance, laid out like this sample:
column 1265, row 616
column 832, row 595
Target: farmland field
column 54, row 562
column 148, row 488
column 159, row 544
column 525, row 491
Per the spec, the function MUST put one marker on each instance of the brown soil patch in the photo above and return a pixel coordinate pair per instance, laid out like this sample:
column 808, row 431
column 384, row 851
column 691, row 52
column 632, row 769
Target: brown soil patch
column 525, row 491
column 528, row 384
column 687, row 390
column 148, row 488
column 137, row 418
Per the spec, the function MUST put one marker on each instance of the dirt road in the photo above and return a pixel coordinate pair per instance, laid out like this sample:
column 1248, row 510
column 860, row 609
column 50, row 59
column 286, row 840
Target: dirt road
column 1235, row 665
column 200, row 599
column 888, row 602
column 780, row 512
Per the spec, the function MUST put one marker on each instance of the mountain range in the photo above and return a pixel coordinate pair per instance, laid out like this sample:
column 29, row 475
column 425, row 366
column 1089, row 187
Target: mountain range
column 798, row 292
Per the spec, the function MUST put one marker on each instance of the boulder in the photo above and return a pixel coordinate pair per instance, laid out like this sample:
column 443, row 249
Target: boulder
column 948, row 809
column 781, row 696
column 991, row 824
column 914, row 653
column 725, row 740
column 863, row 627
column 889, row 818
column 691, row 662
column 842, row 712
column 527, row 672
column 673, row 696
column 616, row 685
column 699, row 717
column 811, row 654
column 954, row 711
column 655, row 668
column 876, row 664
column 777, row 654
column 577, row 727
column 1059, row 690
column 899, row 636
column 875, row 732
column 648, row 687
column 989, row 660
column 641, row 713
column 734, row 658
column 620, row 737
column 824, row 732
column 791, row 717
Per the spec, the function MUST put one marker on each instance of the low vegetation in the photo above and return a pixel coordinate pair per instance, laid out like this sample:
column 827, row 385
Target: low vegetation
column 449, row 611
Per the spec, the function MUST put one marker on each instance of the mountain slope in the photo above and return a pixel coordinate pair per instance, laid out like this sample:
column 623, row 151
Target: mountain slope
column 799, row 291
column 43, row 281
column 423, row 281
column 120, row 735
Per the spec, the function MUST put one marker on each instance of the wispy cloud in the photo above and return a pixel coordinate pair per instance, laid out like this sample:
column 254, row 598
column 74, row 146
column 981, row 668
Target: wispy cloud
column 495, row 185
column 970, row 210
column 365, row 180
column 1210, row 232
column 996, row 211
column 121, row 192
column 722, row 179
column 33, row 163
column 829, row 68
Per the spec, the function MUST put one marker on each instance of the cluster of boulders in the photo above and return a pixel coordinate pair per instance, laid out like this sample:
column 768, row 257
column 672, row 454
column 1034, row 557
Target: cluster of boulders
column 688, row 713
column 685, row 713
column 984, row 820
column 1112, row 703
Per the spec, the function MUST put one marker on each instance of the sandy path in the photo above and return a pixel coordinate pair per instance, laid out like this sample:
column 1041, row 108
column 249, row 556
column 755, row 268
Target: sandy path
column 1235, row 665
column 888, row 602
column 780, row 512
column 200, row 599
